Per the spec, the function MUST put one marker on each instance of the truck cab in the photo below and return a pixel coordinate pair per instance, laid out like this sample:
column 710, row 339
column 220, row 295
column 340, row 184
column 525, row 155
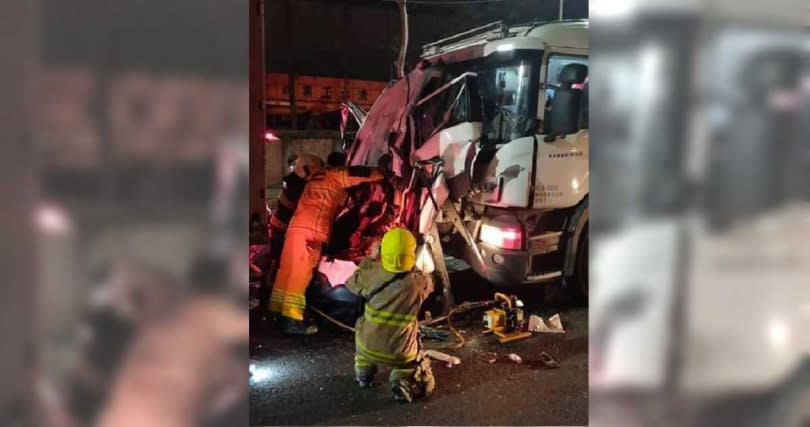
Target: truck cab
column 514, row 150
column 489, row 134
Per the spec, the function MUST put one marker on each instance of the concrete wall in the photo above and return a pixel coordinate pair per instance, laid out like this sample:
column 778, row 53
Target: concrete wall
column 320, row 143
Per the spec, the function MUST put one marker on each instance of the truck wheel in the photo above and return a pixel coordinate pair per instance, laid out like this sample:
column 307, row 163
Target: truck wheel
column 581, row 266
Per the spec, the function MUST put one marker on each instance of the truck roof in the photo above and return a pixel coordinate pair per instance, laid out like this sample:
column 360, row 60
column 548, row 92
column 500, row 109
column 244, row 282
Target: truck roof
column 496, row 36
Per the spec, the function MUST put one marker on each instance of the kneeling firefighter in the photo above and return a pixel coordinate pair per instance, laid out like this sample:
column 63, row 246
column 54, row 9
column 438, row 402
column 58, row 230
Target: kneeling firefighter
column 388, row 333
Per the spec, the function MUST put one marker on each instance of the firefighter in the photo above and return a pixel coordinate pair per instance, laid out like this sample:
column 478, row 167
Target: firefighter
column 309, row 230
column 302, row 168
column 388, row 333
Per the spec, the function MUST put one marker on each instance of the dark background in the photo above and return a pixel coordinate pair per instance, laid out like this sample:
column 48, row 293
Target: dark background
column 360, row 38
column 204, row 38
column 339, row 38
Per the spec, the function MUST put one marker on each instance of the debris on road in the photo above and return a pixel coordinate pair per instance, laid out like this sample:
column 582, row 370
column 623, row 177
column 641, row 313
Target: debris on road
column 489, row 357
column 515, row 358
column 438, row 355
column 549, row 361
column 434, row 334
column 553, row 325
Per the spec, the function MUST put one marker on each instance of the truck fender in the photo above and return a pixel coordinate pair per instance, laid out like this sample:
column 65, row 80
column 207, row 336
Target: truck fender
column 574, row 228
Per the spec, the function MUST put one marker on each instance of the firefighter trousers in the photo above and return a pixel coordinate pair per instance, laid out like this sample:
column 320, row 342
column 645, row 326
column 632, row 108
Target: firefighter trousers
column 300, row 256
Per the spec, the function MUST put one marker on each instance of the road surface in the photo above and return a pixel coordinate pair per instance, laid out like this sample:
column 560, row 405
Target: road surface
column 310, row 380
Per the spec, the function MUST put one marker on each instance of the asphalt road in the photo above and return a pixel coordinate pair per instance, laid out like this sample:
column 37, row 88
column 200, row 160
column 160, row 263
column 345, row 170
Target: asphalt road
column 310, row 380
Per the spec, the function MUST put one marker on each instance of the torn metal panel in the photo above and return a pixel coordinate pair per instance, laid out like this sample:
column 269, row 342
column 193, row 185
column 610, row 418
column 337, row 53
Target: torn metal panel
column 386, row 125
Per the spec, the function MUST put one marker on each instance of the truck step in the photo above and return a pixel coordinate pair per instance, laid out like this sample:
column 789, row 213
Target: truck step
column 545, row 277
column 544, row 243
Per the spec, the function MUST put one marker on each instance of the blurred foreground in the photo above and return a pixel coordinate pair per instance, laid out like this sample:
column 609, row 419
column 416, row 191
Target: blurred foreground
column 701, row 189
column 126, row 180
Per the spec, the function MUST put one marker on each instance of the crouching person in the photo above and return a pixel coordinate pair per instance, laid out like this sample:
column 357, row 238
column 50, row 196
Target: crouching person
column 388, row 333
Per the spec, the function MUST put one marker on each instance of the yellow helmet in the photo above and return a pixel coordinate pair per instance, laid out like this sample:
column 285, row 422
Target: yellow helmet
column 398, row 250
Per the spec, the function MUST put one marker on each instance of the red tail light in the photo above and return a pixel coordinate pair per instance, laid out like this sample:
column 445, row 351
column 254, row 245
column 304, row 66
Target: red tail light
column 269, row 136
column 505, row 238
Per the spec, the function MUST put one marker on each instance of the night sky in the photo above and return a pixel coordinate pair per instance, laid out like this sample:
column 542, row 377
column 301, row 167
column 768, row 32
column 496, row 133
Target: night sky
column 340, row 38
column 360, row 38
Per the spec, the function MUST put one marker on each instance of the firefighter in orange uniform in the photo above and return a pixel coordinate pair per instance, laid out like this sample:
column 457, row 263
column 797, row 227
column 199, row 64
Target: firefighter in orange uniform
column 302, row 168
column 309, row 230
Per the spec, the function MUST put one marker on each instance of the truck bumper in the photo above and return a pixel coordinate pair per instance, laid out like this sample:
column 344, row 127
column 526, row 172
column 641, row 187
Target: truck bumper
column 504, row 267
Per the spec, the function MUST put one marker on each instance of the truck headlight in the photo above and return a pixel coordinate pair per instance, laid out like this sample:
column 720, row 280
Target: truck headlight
column 502, row 237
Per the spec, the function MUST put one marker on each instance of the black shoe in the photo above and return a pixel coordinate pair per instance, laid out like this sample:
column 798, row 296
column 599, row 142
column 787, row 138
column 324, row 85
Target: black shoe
column 297, row 327
column 364, row 382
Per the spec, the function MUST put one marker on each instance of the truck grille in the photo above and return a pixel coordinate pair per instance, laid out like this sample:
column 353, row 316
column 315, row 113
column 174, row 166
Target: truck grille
column 545, row 263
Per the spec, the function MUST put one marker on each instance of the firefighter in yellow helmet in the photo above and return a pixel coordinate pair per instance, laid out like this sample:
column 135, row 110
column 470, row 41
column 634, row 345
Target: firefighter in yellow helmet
column 388, row 333
column 309, row 229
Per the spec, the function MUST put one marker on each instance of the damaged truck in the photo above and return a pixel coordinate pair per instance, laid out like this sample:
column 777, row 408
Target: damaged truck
column 487, row 142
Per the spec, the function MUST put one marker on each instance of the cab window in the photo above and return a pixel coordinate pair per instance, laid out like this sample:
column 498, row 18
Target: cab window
column 555, row 65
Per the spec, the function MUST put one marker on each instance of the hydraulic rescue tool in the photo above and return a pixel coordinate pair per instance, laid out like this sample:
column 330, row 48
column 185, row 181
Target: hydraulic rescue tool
column 506, row 319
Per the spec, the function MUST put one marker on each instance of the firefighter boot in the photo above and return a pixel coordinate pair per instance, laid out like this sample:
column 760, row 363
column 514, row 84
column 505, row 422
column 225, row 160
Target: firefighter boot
column 297, row 327
column 413, row 383
column 364, row 371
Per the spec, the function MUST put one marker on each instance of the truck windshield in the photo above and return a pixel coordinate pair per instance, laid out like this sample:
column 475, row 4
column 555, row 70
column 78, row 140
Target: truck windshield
column 509, row 109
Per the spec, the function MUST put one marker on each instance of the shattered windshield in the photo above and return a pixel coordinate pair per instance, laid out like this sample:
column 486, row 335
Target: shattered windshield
column 509, row 109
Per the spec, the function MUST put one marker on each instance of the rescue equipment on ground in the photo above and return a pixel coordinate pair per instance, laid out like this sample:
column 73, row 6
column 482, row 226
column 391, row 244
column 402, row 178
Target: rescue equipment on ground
column 506, row 319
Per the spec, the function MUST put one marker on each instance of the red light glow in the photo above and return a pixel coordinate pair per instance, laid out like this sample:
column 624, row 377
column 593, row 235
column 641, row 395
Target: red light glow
column 271, row 137
column 337, row 271
column 506, row 238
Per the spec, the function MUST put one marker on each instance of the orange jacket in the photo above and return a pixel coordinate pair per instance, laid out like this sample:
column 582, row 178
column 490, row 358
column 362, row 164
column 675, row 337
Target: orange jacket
column 324, row 194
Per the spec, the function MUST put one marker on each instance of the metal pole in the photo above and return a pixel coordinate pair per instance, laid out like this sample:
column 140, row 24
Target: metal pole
column 561, row 9
column 257, row 120
column 403, row 45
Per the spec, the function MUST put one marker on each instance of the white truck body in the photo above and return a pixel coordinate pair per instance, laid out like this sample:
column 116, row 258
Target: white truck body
column 526, row 177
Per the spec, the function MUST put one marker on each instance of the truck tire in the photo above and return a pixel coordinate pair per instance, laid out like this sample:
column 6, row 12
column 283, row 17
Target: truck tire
column 581, row 265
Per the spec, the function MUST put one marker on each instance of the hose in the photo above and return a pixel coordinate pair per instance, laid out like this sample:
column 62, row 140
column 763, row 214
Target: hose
column 461, row 341
column 432, row 321
column 505, row 298
column 349, row 328
column 336, row 322
column 463, row 307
